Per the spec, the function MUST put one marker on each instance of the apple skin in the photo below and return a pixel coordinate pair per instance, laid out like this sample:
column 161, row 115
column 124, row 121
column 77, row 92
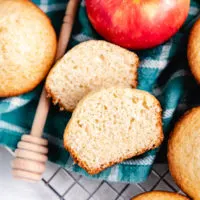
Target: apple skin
column 137, row 24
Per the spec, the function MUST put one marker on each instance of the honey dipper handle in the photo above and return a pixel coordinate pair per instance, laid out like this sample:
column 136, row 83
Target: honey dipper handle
column 67, row 26
column 65, row 33
column 40, row 115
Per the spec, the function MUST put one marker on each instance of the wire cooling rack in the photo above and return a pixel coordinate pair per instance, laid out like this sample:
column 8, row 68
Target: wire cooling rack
column 65, row 185
column 70, row 186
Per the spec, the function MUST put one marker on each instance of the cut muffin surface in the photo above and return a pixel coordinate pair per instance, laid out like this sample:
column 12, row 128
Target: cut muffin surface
column 111, row 125
column 89, row 66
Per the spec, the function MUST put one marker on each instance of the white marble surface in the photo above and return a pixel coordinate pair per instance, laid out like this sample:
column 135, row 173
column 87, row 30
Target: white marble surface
column 60, row 184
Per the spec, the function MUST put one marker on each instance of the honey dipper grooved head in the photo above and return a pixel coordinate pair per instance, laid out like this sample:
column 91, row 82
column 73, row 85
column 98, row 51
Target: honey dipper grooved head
column 30, row 160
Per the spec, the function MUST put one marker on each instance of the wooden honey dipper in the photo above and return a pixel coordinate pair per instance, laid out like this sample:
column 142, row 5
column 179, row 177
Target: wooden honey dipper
column 31, row 154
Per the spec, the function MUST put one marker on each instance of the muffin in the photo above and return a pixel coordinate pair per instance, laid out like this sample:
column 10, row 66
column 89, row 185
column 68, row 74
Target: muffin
column 27, row 46
column 184, row 153
column 160, row 195
column 194, row 50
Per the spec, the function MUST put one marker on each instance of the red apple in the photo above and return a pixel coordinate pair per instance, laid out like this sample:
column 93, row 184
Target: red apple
column 137, row 24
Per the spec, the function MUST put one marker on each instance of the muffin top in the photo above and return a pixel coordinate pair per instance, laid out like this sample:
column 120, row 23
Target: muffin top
column 160, row 195
column 184, row 153
column 194, row 50
column 27, row 46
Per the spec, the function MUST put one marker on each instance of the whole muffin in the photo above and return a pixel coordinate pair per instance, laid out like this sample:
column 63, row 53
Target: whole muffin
column 184, row 153
column 160, row 195
column 194, row 50
column 27, row 46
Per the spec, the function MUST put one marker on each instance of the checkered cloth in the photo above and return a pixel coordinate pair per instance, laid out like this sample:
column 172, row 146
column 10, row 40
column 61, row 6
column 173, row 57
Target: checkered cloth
column 163, row 71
